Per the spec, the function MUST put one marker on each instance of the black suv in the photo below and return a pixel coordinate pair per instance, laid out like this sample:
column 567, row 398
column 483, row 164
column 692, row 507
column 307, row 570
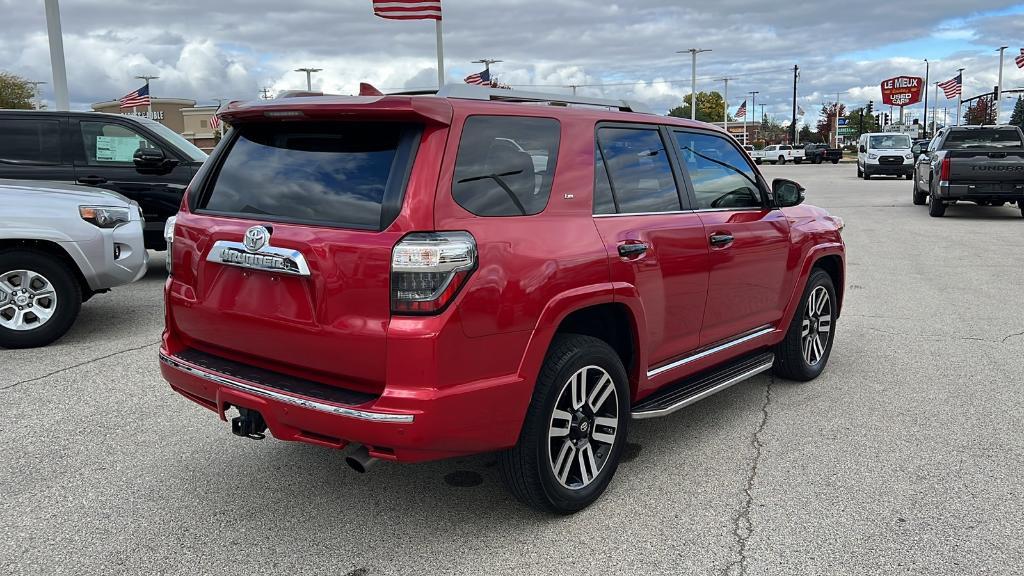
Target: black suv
column 137, row 157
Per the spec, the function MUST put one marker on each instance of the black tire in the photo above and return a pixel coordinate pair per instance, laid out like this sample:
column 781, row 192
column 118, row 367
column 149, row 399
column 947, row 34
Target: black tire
column 835, row 161
column 867, row 175
column 790, row 360
column 782, row 160
column 797, row 161
column 526, row 469
column 936, row 209
column 1021, row 204
column 65, row 287
column 860, row 173
column 920, row 198
column 757, row 161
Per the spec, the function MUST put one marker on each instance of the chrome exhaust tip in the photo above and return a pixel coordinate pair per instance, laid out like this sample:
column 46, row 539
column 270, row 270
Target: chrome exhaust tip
column 360, row 460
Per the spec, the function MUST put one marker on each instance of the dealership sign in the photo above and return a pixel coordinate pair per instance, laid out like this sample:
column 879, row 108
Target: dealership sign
column 902, row 90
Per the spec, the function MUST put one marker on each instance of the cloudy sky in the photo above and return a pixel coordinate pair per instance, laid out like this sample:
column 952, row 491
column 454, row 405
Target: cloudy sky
column 232, row 49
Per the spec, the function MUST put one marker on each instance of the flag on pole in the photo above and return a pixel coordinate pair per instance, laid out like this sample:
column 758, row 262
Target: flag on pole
column 952, row 86
column 139, row 97
column 1020, row 59
column 482, row 78
column 741, row 112
column 408, row 9
column 214, row 122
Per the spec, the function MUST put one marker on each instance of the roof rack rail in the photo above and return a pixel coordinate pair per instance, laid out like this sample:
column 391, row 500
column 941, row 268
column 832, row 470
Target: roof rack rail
column 297, row 93
column 472, row 92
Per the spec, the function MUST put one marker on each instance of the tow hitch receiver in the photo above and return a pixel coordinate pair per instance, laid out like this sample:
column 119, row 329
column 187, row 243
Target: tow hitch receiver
column 248, row 424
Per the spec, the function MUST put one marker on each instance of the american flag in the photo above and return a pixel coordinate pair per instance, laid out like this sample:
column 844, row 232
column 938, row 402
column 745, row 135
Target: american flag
column 214, row 122
column 482, row 78
column 408, row 10
column 1020, row 59
column 742, row 111
column 952, row 86
column 139, row 97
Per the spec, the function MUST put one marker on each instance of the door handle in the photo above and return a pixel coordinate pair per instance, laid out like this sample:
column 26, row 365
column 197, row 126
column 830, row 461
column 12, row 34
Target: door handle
column 92, row 180
column 632, row 249
column 721, row 239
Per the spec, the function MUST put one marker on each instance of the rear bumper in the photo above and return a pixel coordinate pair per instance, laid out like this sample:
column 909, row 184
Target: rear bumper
column 407, row 425
column 980, row 192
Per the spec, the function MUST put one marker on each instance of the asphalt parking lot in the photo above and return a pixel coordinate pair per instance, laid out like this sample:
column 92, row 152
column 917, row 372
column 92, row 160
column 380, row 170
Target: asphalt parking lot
column 905, row 457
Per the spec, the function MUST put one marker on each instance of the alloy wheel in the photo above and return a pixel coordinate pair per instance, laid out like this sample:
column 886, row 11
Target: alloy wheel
column 27, row 300
column 582, row 429
column 817, row 326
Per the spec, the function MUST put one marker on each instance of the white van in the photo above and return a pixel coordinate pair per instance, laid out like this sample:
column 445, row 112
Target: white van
column 885, row 153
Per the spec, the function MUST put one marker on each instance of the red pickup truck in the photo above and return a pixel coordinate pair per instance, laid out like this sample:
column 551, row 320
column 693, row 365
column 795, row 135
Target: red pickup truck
column 424, row 276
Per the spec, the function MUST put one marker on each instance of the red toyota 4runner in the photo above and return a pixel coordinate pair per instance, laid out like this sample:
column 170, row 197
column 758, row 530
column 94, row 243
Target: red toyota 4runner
column 426, row 276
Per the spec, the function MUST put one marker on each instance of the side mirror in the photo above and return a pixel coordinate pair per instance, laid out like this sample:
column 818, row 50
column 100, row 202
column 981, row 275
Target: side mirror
column 787, row 192
column 916, row 149
column 152, row 160
column 862, row 148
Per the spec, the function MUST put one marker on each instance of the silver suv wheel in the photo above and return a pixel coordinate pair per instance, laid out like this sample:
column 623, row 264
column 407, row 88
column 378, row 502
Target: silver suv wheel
column 27, row 300
column 582, row 429
column 816, row 326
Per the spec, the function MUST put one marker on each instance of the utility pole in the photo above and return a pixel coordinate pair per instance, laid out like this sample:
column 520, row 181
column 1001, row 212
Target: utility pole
column 309, row 81
column 35, row 93
column 60, row 73
column 265, row 93
column 149, row 110
column 792, row 126
column 574, row 87
column 999, row 86
column 924, row 123
column 693, row 78
column 725, row 97
column 837, row 120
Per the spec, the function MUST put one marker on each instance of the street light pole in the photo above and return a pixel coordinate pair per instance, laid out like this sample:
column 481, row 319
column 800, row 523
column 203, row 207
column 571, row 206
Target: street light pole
column 149, row 110
column 960, row 96
column 60, row 73
column 753, row 112
column 693, row 78
column 725, row 97
column 924, row 123
column 999, row 86
column 309, row 81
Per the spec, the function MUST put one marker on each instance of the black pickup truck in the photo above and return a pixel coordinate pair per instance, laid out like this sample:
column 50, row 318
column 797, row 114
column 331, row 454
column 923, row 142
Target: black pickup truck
column 980, row 164
column 818, row 153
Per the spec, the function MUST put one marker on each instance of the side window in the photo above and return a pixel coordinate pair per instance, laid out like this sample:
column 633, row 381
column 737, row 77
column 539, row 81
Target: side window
column 505, row 165
column 634, row 163
column 30, row 141
column 109, row 144
column 721, row 176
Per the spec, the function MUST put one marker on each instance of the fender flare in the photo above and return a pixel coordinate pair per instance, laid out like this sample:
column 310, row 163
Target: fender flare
column 810, row 259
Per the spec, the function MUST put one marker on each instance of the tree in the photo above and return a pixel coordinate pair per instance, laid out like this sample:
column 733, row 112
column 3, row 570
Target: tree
column 807, row 136
column 773, row 132
column 1017, row 118
column 827, row 121
column 981, row 112
column 710, row 107
column 15, row 92
column 854, row 119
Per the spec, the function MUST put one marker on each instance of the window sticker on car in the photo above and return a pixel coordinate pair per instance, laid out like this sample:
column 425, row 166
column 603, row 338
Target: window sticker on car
column 117, row 148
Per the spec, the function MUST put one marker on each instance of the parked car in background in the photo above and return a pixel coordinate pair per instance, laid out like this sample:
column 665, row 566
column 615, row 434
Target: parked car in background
column 60, row 245
column 136, row 157
column 755, row 155
column 390, row 273
column 980, row 164
column 884, row 153
column 818, row 153
column 918, row 146
column 782, row 153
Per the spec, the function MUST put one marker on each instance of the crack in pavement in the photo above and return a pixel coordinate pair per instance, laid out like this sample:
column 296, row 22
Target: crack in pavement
column 80, row 364
column 944, row 337
column 742, row 526
column 1021, row 333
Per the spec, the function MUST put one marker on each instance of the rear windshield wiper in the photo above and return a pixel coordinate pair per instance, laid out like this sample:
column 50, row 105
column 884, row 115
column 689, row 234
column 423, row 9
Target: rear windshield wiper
column 501, row 183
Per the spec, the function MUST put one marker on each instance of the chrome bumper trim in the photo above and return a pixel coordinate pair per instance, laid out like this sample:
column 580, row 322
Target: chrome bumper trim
column 282, row 397
column 718, row 388
column 710, row 351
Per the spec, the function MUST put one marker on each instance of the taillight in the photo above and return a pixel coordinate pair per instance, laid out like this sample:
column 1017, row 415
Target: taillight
column 428, row 269
column 944, row 176
column 169, row 238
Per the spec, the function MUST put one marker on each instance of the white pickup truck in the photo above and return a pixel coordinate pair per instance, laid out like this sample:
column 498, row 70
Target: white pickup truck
column 780, row 154
column 755, row 155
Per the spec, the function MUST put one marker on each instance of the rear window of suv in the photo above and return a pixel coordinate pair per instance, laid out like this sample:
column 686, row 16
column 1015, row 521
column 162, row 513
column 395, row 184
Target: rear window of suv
column 348, row 175
column 984, row 138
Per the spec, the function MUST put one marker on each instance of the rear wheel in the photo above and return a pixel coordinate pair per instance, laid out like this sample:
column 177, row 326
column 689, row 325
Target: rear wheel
column 782, row 160
column 39, row 298
column 936, row 208
column 574, row 430
column 804, row 351
column 835, row 161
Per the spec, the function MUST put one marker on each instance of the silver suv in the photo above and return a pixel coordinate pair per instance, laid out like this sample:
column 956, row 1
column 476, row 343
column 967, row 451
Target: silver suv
column 59, row 245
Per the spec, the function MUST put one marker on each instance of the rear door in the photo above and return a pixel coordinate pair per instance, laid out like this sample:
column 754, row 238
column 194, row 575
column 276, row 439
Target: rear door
column 32, row 147
column 654, row 241
column 322, row 195
column 748, row 240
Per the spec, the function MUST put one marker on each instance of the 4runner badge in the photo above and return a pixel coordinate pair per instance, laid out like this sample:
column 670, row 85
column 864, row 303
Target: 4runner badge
column 255, row 252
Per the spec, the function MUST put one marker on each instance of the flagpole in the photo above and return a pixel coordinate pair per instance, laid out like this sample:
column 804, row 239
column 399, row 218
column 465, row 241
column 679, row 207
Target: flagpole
column 440, row 53
column 960, row 95
column 999, row 90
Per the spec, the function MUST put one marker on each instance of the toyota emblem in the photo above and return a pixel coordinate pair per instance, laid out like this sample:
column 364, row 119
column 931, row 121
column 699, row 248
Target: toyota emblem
column 255, row 238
